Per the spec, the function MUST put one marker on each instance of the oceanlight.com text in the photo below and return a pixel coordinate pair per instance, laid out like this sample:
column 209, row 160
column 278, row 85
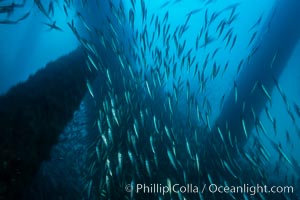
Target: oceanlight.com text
column 157, row 188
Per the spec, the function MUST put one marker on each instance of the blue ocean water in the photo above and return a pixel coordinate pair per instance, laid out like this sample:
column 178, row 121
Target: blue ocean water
column 106, row 27
column 28, row 46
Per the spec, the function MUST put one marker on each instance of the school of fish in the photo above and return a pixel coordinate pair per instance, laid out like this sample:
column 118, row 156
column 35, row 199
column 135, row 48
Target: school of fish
column 154, row 112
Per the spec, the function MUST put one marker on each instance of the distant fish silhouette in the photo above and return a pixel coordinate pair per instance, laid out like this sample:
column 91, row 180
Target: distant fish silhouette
column 53, row 26
column 15, row 21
